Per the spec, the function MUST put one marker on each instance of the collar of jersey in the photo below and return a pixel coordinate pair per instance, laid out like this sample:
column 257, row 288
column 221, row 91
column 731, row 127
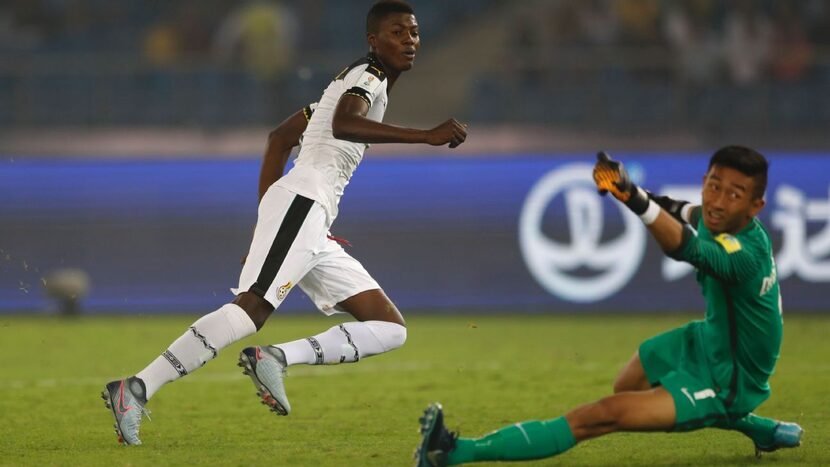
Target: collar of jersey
column 375, row 61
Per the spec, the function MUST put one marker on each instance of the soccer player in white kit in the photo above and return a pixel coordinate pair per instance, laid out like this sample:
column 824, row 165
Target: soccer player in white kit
column 291, row 245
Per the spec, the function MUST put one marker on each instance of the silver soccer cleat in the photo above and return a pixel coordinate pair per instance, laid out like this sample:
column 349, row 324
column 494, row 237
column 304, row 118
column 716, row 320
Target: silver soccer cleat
column 266, row 368
column 126, row 398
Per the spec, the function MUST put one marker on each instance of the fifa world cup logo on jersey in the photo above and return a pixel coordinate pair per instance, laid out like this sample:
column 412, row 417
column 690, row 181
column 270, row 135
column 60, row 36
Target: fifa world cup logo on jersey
column 586, row 266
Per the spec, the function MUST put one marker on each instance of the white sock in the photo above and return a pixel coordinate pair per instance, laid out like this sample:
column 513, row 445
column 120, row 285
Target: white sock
column 201, row 343
column 345, row 343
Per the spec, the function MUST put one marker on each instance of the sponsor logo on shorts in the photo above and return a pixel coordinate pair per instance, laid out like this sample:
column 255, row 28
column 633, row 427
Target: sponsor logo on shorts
column 283, row 291
column 698, row 395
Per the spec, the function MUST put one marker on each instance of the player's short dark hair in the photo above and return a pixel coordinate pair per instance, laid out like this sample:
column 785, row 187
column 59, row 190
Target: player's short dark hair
column 383, row 8
column 746, row 161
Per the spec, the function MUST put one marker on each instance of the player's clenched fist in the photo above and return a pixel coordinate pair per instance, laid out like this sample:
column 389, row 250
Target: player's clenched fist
column 452, row 131
column 611, row 177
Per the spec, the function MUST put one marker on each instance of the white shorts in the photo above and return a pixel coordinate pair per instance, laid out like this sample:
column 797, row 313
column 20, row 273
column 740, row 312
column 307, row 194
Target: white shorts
column 291, row 247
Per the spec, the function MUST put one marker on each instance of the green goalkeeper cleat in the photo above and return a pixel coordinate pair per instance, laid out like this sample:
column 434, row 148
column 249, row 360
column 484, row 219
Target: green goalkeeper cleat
column 126, row 398
column 266, row 368
column 436, row 441
column 786, row 435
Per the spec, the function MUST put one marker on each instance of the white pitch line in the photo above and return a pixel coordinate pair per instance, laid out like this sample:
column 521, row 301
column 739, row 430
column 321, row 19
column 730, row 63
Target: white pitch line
column 303, row 371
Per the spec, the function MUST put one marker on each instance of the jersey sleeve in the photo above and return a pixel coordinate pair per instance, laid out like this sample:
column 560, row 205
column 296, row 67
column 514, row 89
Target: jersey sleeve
column 724, row 257
column 369, row 84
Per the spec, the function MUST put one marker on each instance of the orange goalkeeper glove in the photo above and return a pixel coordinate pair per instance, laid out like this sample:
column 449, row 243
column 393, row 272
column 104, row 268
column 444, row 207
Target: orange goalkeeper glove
column 611, row 176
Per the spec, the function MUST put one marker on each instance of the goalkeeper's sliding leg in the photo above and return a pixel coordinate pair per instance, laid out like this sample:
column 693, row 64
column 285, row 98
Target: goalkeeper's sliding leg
column 676, row 401
column 651, row 410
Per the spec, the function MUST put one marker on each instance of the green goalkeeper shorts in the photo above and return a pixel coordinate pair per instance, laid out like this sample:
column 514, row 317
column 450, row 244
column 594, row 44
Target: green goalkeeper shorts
column 675, row 360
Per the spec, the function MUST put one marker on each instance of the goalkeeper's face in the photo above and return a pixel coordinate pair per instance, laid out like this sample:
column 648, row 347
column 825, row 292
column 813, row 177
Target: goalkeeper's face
column 729, row 203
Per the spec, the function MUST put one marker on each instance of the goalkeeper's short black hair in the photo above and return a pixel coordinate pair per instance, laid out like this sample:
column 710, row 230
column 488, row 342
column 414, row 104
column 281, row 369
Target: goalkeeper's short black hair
column 746, row 161
column 383, row 8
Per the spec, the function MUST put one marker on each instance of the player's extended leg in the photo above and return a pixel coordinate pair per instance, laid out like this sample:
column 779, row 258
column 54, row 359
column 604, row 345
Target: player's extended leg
column 200, row 343
column 650, row 410
column 288, row 229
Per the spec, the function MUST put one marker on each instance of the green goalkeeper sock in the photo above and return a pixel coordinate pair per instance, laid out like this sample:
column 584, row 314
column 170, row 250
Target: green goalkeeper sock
column 759, row 429
column 522, row 441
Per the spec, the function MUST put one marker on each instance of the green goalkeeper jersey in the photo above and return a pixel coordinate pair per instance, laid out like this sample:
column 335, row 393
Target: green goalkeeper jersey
column 741, row 334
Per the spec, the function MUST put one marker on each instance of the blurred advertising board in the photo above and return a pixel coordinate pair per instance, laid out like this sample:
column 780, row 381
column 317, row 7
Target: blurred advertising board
column 517, row 233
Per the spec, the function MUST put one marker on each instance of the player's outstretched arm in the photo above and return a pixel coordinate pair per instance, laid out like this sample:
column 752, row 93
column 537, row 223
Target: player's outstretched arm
column 280, row 143
column 610, row 176
column 726, row 261
column 350, row 123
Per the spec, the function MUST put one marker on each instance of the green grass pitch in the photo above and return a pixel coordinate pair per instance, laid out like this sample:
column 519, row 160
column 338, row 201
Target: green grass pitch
column 487, row 371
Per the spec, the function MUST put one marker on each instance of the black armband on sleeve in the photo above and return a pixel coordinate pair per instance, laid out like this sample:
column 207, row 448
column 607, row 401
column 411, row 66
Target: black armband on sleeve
column 359, row 92
column 308, row 112
column 671, row 206
column 687, row 237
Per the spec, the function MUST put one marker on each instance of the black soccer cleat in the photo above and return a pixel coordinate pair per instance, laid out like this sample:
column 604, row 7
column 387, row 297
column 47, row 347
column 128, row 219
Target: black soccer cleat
column 436, row 441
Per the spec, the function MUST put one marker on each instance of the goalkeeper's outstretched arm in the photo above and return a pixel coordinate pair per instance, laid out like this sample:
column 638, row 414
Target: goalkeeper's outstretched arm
column 669, row 229
column 668, row 221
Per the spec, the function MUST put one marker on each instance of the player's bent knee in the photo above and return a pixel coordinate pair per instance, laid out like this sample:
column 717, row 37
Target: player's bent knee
column 257, row 308
column 390, row 335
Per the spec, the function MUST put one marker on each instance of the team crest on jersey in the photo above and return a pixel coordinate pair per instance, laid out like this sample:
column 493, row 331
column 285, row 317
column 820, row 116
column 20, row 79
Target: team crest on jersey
column 729, row 243
column 283, row 291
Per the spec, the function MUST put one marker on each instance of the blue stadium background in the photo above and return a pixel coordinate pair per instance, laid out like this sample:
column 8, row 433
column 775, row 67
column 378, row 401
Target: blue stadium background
column 131, row 134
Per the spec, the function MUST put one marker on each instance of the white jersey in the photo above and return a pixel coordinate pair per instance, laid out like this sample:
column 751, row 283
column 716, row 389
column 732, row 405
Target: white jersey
column 325, row 164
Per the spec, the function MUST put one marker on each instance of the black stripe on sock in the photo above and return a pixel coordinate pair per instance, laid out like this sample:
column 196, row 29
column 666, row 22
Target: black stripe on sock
column 177, row 365
column 286, row 234
column 351, row 342
column 204, row 341
column 318, row 350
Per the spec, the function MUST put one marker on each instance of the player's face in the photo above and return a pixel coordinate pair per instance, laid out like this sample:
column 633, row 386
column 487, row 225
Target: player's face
column 728, row 200
column 396, row 41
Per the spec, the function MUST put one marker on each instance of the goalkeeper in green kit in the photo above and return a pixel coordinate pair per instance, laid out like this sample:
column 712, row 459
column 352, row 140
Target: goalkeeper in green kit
column 708, row 373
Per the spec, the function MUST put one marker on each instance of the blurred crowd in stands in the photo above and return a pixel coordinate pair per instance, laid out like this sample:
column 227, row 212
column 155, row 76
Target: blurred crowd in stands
column 229, row 61
column 264, row 35
column 706, row 41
